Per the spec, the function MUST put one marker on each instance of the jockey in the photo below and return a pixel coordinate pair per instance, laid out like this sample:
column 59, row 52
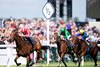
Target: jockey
column 82, row 33
column 27, row 34
column 66, row 35
column 84, row 36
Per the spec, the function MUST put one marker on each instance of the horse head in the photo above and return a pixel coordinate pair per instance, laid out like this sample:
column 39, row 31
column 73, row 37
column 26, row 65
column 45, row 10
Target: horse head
column 55, row 36
column 13, row 33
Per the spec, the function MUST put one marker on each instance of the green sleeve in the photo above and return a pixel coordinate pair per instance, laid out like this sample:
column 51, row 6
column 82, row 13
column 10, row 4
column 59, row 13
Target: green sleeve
column 66, row 33
column 59, row 33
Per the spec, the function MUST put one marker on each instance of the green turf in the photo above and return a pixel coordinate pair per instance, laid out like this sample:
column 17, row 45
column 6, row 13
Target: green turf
column 70, row 64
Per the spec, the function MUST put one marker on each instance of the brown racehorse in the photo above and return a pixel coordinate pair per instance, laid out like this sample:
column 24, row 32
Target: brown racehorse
column 63, row 49
column 24, row 48
column 93, row 51
column 80, row 47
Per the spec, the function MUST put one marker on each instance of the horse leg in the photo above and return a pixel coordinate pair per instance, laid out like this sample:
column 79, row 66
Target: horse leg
column 72, row 54
column 17, row 56
column 94, row 57
column 95, row 60
column 61, row 59
column 79, row 61
column 28, row 61
column 64, row 62
column 31, row 61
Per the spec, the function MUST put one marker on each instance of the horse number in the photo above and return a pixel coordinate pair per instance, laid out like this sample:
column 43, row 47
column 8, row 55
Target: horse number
column 48, row 11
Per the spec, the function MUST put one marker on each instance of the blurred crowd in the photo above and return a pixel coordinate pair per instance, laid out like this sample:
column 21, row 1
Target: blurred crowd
column 38, row 27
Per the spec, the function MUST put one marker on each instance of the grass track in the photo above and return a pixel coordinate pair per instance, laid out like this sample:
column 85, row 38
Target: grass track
column 70, row 64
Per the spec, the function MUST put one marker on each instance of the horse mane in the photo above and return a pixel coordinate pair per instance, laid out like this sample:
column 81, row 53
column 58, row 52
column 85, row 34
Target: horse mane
column 18, row 38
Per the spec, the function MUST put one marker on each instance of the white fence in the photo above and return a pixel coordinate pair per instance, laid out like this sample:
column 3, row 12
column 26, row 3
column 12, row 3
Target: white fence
column 7, row 55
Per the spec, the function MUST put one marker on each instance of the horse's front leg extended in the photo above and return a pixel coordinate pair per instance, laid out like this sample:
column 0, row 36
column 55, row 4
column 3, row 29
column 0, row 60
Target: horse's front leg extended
column 94, row 57
column 79, row 61
column 16, row 60
column 62, row 56
column 61, row 59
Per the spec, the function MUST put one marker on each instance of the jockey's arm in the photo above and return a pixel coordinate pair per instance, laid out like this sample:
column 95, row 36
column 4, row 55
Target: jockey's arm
column 28, row 33
column 67, row 34
column 84, row 35
column 59, row 33
column 21, row 33
column 88, row 38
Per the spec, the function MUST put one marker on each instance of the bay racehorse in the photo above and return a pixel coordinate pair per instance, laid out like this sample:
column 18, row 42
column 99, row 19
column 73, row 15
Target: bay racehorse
column 23, row 48
column 93, row 51
column 62, row 47
column 81, row 48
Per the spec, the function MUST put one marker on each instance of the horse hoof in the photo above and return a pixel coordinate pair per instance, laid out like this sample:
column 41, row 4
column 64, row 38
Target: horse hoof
column 95, row 65
column 18, row 64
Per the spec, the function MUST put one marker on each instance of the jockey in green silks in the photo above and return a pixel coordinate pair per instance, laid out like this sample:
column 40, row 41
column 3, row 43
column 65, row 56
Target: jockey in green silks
column 64, row 32
column 66, row 35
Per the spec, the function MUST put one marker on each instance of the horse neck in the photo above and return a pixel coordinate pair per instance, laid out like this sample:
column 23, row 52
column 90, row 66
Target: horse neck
column 83, row 44
column 59, row 40
column 19, row 41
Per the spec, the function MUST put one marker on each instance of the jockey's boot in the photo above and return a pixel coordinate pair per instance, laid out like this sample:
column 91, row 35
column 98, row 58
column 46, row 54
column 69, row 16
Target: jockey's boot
column 69, row 44
column 33, row 43
column 32, row 46
column 70, row 48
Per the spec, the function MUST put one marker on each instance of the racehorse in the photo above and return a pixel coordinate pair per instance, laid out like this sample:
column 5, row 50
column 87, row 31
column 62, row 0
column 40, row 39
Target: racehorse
column 63, row 49
column 80, row 47
column 93, row 51
column 23, row 48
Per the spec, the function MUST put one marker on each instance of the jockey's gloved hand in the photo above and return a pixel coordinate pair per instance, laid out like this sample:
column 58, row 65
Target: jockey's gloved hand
column 61, row 36
column 87, row 41
column 69, row 37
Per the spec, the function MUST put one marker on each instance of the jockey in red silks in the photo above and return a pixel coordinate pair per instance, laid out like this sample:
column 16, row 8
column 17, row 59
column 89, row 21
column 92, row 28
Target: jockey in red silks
column 26, row 32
